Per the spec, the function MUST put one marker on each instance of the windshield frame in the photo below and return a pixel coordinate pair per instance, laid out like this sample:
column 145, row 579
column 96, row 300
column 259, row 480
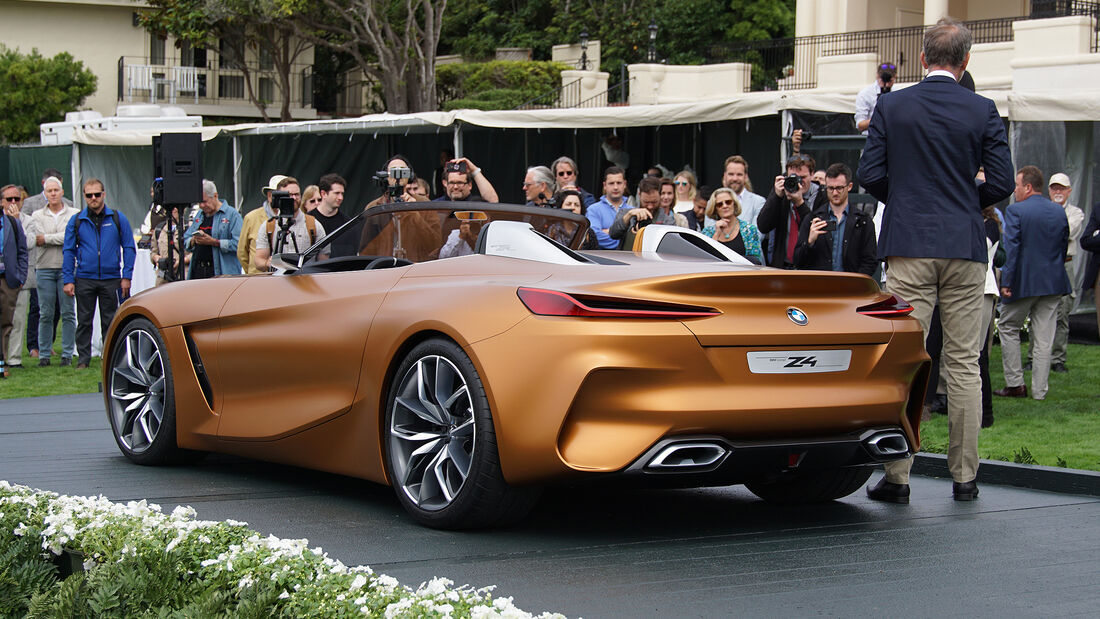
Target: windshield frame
column 444, row 205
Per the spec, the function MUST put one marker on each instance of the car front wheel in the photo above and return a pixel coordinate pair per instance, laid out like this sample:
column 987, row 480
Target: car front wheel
column 140, row 398
column 441, row 452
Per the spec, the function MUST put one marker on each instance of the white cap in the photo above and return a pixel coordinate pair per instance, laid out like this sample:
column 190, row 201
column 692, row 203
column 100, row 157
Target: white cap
column 1059, row 179
column 274, row 182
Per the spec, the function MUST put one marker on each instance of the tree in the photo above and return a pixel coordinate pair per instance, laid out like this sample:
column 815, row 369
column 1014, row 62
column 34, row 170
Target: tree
column 265, row 25
column 687, row 29
column 391, row 41
column 37, row 90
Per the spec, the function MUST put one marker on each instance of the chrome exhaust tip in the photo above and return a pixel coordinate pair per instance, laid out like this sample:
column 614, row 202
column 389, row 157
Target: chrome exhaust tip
column 687, row 456
column 887, row 445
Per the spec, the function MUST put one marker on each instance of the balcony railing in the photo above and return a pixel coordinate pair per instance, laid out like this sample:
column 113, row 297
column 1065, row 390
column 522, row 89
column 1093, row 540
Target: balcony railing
column 570, row 95
column 788, row 64
column 171, row 81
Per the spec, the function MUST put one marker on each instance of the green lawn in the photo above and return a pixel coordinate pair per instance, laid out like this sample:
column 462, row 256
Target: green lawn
column 1062, row 430
column 31, row 380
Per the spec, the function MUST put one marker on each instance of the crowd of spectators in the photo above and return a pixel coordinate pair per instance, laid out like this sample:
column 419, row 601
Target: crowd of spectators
column 806, row 220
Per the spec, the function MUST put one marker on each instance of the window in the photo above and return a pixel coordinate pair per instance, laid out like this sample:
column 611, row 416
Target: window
column 267, row 89
column 191, row 56
column 267, row 63
column 232, row 54
column 231, row 86
column 156, row 48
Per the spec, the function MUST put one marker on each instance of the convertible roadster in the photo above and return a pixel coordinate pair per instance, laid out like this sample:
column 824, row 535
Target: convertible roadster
column 469, row 354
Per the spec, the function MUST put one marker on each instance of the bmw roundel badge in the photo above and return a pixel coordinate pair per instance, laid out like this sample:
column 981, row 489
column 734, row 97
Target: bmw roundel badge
column 797, row 316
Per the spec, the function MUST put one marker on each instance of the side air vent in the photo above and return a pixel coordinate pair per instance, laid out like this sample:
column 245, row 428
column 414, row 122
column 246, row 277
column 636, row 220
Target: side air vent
column 200, row 371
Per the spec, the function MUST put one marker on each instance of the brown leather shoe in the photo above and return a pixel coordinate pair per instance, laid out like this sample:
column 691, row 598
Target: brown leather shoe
column 1012, row 392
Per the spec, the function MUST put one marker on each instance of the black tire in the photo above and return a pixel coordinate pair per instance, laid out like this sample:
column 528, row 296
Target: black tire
column 811, row 486
column 440, row 445
column 140, row 397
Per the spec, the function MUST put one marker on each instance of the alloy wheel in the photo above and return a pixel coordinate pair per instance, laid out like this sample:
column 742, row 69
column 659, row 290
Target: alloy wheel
column 432, row 432
column 137, row 391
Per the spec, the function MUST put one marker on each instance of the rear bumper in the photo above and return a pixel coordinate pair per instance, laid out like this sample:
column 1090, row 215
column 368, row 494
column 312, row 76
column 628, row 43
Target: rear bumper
column 573, row 397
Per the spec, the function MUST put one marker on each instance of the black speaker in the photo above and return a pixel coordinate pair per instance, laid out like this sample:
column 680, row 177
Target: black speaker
column 177, row 160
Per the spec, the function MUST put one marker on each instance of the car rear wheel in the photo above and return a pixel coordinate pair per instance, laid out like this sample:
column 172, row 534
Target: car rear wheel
column 441, row 452
column 140, row 397
column 811, row 486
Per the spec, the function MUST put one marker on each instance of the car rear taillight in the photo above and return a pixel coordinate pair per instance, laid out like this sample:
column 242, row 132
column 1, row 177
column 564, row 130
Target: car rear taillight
column 554, row 303
column 892, row 306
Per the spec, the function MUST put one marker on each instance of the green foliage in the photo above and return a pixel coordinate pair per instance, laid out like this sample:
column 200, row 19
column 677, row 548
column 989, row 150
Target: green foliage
column 1023, row 456
column 496, row 85
column 38, row 90
column 686, row 29
column 139, row 562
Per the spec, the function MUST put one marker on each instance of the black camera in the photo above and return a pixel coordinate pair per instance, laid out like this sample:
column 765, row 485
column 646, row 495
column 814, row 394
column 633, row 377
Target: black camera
column 792, row 183
column 830, row 226
column 456, row 166
column 283, row 204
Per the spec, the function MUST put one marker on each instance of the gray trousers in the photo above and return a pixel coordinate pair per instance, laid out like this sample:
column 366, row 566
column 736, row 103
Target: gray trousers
column 1061, row 333
column 1043, row 311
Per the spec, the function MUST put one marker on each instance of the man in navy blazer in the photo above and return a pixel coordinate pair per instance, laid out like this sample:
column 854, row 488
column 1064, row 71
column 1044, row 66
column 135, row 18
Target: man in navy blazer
column 1033, row 281
column 1090, row 242
column 924, row 147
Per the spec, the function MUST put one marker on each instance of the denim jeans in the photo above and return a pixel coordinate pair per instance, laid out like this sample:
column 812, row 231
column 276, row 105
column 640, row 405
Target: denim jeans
column 51, row 295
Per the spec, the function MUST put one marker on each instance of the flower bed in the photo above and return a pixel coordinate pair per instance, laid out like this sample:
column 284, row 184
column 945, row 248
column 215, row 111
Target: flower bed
column 133, row 559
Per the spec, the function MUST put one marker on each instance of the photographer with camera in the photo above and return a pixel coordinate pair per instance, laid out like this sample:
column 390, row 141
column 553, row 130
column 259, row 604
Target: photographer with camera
column 166, row 233
column 212, row 237
column 834, row 237
column 291, row 230
column 868, row 97
column 250, row 228
column 461, row 175
column 790, row 201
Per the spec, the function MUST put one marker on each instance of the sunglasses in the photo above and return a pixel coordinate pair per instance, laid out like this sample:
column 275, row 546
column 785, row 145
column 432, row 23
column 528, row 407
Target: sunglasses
column 888, row 66
column 12, row 199
column 681, row 183
column 566, row 173
column 312, row 200
column 92, row 194
column 723, row 203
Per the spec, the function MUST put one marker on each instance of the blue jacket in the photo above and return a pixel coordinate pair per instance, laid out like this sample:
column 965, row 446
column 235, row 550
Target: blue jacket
column 1036, row 233
column 1090, row 242
column 15, row 252
column 924, row 147
column 103, row 253
column 226, row 228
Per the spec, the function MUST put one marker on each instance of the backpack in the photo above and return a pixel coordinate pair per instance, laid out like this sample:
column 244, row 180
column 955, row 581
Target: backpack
column 311, row 226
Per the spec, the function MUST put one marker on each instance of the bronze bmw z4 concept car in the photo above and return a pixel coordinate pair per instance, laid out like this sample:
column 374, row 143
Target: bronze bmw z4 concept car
column 469, row 354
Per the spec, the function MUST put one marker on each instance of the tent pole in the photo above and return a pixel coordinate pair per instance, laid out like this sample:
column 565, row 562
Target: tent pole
column 457, row 143
column 786, row 128
column 238, row 197
column 74, row 165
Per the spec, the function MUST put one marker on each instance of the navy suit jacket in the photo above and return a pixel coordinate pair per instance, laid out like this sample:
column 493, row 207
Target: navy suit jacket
column 1036, row 234
column 924, row 147
column 15, row 252
column 1090, row 241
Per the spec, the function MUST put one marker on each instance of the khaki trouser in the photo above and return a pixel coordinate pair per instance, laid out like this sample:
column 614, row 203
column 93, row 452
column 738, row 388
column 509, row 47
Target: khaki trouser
column 959, row 287
column 14, row 344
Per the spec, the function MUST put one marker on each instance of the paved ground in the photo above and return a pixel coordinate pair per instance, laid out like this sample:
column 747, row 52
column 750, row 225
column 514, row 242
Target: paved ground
column 699, row 553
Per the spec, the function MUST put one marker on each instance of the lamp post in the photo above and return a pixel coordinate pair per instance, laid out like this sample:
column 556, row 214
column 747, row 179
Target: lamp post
column 652, row 41
column 584, row 50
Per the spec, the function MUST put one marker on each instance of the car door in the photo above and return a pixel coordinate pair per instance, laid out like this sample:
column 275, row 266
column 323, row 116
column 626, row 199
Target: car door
column 290, row 349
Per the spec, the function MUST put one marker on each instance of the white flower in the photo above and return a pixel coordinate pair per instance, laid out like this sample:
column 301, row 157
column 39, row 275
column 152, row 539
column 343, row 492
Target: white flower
column 284, row 595
column 359, row 581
